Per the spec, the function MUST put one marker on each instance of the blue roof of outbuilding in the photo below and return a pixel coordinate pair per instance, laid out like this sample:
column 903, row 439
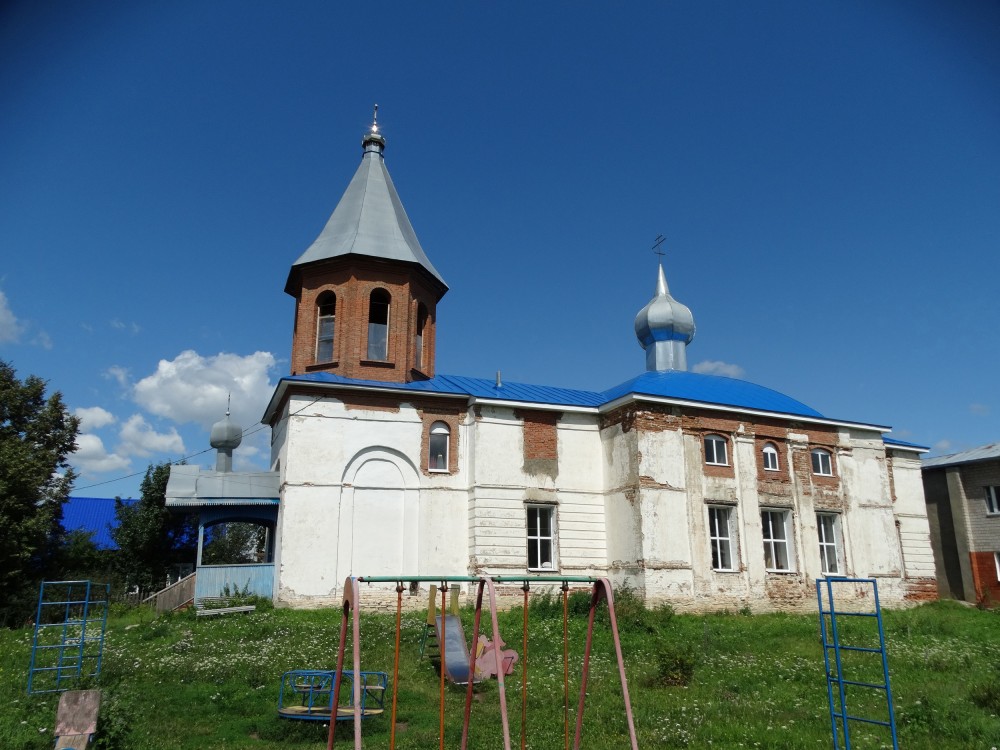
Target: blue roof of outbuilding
column 93, row 514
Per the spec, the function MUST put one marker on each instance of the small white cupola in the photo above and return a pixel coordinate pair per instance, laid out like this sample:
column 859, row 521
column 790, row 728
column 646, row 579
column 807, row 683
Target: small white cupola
column 664, row 328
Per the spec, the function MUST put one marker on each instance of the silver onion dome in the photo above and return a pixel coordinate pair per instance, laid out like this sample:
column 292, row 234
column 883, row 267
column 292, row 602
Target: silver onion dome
column 664, row 328
column 225, row 437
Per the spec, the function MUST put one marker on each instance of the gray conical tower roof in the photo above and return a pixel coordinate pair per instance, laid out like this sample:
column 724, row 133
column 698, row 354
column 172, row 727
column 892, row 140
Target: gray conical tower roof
column 369, row 220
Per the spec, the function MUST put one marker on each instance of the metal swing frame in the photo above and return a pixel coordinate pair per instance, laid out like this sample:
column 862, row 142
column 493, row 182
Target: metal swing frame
column 601, row 590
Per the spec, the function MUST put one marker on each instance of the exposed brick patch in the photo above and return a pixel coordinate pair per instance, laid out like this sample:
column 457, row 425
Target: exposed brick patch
column 369, row 402
column 623, row 415
column 541, row 442
column 788, row 591
column 892, row 479
column 984, row 577
column 920, row 590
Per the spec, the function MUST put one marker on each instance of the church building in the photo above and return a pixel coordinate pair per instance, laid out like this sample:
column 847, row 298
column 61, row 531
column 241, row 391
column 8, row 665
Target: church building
column 703, row 491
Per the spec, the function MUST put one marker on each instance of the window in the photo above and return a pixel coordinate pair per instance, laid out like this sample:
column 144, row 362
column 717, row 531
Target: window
column 776, row 527
column 326, row 311
column 715, row 450
column 720, row 538
column 437, row 459
column 378, row 325
column 770, row 457
column 540, row 538
column 996, row 559
column 421, row 324
column 822, row 464
column 828, row 528
column 992, row 500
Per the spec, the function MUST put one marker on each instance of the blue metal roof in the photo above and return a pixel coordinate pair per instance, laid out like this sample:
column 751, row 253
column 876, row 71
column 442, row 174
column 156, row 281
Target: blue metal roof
column 710, row 389
column 472, row 387
column 675, row 384
column 93, row 514
column 904, row 444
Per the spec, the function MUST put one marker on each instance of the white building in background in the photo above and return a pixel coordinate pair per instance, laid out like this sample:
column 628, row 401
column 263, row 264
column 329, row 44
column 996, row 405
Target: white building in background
column 703, row 491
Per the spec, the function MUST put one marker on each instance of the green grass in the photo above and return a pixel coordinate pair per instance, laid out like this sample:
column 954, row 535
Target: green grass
column 714, row 681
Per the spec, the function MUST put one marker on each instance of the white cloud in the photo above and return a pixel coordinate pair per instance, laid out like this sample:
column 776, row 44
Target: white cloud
column 193, row 388
column 138, row 438
column 93, row 418
column 119, row 374
column 43, row 340
column 119, row 325
column 92, row 457
column 941, row 446
column 718, row 367
column 10, row 327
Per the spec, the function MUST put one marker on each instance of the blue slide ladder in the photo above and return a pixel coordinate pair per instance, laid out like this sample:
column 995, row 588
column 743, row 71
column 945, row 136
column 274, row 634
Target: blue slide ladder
column 837, row 683
column 68, row 642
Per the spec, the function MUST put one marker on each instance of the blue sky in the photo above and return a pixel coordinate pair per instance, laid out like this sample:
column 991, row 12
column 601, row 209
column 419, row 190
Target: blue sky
column 827, row 176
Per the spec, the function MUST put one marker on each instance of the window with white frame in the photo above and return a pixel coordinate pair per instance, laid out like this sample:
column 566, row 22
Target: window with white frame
column 715, row 450
column 828, row 529
column 777, row 528
column 326, row 316
column 771, row 457
column 822, row 463
column 437, row 458
column 541, row 537
column 992, row 500
column 378, row 325
column 996, row 559
column 418, row 359
column 720, row 537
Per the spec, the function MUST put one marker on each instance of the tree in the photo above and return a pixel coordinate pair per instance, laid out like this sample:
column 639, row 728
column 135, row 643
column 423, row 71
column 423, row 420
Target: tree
column 36, row 435
column 150, row 539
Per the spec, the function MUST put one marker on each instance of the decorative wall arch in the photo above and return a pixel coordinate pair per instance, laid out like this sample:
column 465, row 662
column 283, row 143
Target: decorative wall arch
column 380, row 511
column 407, row 470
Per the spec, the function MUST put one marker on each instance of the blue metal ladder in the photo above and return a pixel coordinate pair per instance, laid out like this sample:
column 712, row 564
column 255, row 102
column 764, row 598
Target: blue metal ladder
column 836, row 682
column 68, row 641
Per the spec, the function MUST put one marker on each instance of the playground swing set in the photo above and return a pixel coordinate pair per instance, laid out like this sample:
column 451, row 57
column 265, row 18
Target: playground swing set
column 457, row 663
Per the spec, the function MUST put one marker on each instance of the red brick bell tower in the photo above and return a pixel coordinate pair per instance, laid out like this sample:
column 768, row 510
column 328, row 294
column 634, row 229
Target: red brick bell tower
column 365, row 293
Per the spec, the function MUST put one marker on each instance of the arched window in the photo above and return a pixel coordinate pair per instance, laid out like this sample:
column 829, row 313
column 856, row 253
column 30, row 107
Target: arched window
column 437, row 458
column 822, row 463
column 715, row 450
column 419, row 341
column 326, row 314
column 771, row 457
column 378, row 325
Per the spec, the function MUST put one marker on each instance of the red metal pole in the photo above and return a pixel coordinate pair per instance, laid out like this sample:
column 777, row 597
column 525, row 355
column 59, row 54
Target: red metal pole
column 621, row 661
column 524, row 672
column 395, row 665
column 337, row 674
column 594, row 599
column 565, row 598
column 442, row 642
column 472, row 667
column 504, row 721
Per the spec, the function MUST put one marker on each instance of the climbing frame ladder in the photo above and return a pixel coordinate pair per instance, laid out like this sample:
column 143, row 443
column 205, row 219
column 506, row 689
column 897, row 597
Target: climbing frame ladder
column 68, row 641
column 833, row 623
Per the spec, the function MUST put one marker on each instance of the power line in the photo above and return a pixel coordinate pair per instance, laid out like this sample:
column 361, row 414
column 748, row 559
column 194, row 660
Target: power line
column 245, row 433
